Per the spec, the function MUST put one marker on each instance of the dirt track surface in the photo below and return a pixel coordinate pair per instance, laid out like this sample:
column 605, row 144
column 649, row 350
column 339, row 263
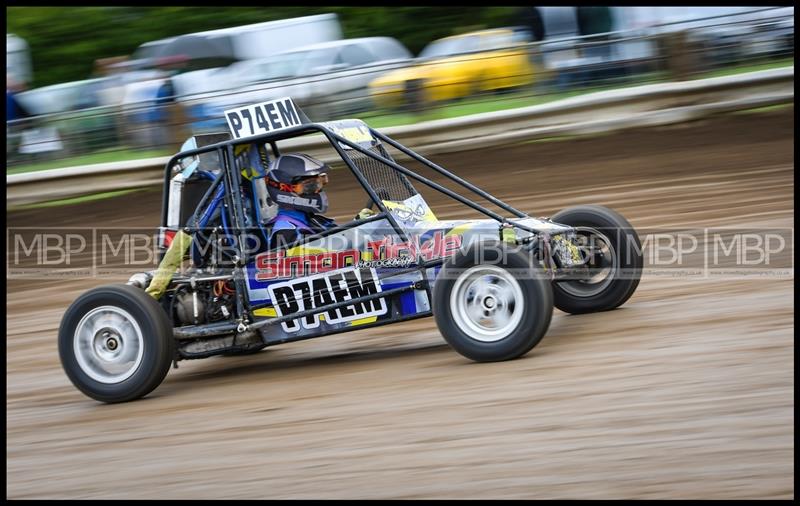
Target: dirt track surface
column 684, row 392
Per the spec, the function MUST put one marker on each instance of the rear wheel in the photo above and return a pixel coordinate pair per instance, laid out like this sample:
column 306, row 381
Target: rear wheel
column 115, row 343
column 614, row 258
column 492, row 310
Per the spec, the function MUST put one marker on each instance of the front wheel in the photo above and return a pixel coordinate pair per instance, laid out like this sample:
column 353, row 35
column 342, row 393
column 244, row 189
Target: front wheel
column 492, row 304
column 613, row 254
column 115, row 343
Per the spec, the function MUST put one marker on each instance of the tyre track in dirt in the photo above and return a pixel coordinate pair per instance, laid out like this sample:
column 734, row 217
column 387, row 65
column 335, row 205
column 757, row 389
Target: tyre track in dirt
column 684, row 392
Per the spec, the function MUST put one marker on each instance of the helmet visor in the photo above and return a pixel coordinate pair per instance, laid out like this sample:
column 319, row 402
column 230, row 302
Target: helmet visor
column 310, row 185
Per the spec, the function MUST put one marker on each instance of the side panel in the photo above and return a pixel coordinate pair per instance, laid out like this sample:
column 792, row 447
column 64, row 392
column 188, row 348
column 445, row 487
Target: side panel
column 363, row 260
column 331, row 269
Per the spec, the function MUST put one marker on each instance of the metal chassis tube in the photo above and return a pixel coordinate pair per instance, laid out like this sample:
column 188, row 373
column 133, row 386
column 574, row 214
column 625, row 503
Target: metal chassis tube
column 463, row 182
column 221, row 328
column 236, row 213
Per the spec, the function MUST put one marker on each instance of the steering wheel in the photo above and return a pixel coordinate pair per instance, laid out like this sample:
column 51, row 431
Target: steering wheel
column 382, row 194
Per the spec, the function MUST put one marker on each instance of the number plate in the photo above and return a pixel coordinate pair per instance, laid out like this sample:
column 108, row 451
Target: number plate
column 263, row 118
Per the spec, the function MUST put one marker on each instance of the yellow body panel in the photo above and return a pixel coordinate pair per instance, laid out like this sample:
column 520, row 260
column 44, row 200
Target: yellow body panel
column 266, row 311
column 457, row 76
column 363, row 321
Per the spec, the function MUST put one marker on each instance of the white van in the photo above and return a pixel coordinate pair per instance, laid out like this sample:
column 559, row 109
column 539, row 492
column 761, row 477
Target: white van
column 246, row 42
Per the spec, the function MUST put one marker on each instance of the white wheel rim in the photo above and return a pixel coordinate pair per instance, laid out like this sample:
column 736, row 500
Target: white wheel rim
column 108, row 344
column 487, row 303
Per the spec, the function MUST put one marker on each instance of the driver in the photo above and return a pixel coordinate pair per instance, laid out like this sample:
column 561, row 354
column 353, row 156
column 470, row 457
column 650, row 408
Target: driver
column 295, row 182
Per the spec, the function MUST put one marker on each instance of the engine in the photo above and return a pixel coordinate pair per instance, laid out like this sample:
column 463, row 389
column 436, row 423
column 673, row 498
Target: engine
column 205, row 303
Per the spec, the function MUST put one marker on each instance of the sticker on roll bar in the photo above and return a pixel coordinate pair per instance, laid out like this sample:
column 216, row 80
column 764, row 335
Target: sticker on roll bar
column 354, row 130
column 263, row 118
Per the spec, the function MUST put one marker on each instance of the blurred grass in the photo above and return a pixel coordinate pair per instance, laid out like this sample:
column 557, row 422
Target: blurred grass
column 499, row 102
column 766, row 108
column 783, row 62
column 468, row 107
column 384, row 119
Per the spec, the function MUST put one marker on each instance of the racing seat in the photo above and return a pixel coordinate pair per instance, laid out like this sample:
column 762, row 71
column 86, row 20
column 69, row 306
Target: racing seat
column 200, row 173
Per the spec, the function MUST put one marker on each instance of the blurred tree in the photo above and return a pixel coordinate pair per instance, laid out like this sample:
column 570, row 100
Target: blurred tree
column 66, row 41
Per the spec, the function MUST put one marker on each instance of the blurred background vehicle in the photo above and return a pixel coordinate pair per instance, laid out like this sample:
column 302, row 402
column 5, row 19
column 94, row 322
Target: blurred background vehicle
column 59, row 97
column 192, row 64
column 327, row 80
column 74, row 105
column 590, row 44
column 755, row 38
column 216, row 48
column 171, row 87
column 457, row 67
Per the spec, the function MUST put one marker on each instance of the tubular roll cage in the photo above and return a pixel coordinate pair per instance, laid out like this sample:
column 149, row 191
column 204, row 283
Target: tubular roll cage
column 230, row 177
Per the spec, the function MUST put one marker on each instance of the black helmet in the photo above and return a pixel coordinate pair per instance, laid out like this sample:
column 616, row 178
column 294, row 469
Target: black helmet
column 295, row 181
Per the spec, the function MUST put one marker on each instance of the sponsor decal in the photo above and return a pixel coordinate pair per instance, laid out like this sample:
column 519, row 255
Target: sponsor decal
column 324, row 289
column 388, row 263
column 275, row 265
column 384, row 252
column 263, row 118
column 410, row 211
column 354, row 131
column 439, row 245
column 298, row 201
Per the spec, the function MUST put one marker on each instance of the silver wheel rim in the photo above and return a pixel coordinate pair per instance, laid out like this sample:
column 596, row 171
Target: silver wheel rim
column 487, row 303
column 599, row 280
column 108, row 344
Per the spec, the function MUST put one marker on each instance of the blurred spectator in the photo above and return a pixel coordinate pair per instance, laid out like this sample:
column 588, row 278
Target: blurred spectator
column 592, row 20
column 168, row 111
column 28, row 132
column 14, row 113
column 164, row 96
column 110, row 90
column 14, row 109
column 531, row 19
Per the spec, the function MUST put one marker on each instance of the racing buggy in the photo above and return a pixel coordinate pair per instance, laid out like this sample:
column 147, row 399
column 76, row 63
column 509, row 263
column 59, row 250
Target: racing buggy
column 221, row 287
